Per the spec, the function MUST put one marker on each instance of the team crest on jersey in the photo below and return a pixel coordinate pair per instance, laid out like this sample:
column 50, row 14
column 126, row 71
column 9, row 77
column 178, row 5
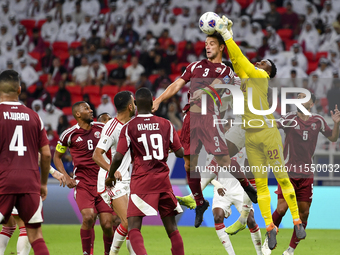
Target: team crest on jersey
column 226, row 79
column 97, row 134
column 313, row 126
column 240, row 154
column 118, row 192
column 218, row 69
column 105, row 141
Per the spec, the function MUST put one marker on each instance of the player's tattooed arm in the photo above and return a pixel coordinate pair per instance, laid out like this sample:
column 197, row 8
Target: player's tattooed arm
column 336, row 118
column 116, row 162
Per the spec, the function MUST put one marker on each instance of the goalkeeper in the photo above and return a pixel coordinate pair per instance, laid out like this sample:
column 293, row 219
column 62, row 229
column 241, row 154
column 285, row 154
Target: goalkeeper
column 263, row 141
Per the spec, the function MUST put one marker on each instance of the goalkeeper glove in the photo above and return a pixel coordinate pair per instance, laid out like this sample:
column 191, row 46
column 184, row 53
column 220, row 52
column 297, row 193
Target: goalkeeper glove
column 223, row 26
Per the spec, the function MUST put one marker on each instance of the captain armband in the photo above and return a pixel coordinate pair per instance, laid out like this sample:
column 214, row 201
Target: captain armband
column 60, row 148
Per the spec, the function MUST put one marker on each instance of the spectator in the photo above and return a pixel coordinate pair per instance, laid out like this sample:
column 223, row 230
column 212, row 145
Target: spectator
column 80, row 73
column 101, row 26
column 63, row 124
column 134, row 71
column 52, row 116
column 148, row 42
column 336, row 23
column 143, row 82
column 5, row 36
column 285, row 72
column 184, row 17
column 93, row 54
column 290, row 19
column 173, row 113
column 325, row 72
column 334, row 60
column 242, row 28
column 86, row 98
column 130, row 35
column 176, row 30
column 47, row 60
column 97, row 73
column 57, row 12
column 140, row 27
column 57, row 73
column 78, row 15
column 231, row 9
column 328, row 15
column 301, row 58
column 171, row 54
column 21, row 38
column 9, row 51
column 274, row 38
column 273, row 18
column 21, row 54
column 50, row 29
column 192, row 33
column 5, row 13
column 36, row 43
column 315, row 84
column 73, row 60
column 25, row 97
column 161, row 79
column 110, row 16
column 254, row 38
column 188, row 54
column 27, row 73
column 91, row 7
column 156, row 26
column 84, row 29
column 117, row 76
column 37, row 106
column 10, row 65
column 106, row 106
column 42, row 94
column 257, row 11
column 165, row 13
column 68, row 30
column 19, row 7
column 278, row 58
column 309, row 38
column 63, row 97
column 312, row 14
column 13, row 25
column 333, row 95
column 94, row 39
column 69, row 7
column 298, row 6
column 35, row 10
column 327, row 39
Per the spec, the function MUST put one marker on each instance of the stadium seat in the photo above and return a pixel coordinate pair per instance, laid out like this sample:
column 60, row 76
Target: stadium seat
column 251, row 55
column 63, row 55
column 95, row 99
column 177, row 11
column 43, row 78
column 52, row 90
column 35, row 55
column 130, row 88
column 289, row 43
column 29, row 24
column 31, row 88
column 174, row 76
column 47, row 44
column 281, row 10
column 153, row 77
column 40, row 23
column 324, row 104
column 198, row 47
column 91, row 90
column 74, row 90
column 312, row 66
column 67, row 110
column 126, row 65
column 105, row 10
column 320, row 54
column 72, row 122
column 181, row 46
column 110, row 67
column 110, row 90
column 75, row 44
column 76, row 98
column 285, row 33
column 310, row 56
column 244, row 3
column 60, row 46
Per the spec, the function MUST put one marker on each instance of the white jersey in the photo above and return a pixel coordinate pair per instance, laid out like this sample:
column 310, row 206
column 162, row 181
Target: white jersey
column 240, row 157
column 109, row 140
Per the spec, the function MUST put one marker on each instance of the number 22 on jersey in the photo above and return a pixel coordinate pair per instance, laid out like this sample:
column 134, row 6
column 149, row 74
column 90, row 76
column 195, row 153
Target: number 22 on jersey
column 157, row 146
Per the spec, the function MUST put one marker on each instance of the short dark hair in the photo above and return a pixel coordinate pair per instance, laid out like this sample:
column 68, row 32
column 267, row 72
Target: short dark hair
column 218, row 37
column 102, row 114
column 273, row 69
column 9, row 81
column 229, row 64
column 76, row 106
column 143, row 93
column 122, row 100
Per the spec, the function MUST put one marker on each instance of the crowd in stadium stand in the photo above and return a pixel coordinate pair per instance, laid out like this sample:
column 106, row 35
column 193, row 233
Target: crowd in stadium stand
column 68, row 50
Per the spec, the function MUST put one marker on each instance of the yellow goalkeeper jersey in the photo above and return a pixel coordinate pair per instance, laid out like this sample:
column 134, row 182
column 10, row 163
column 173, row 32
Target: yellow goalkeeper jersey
column 256, row 79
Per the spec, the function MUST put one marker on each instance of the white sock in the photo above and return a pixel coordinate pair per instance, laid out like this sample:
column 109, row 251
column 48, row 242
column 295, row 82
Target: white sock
column 23, row 245
column 5, row 235
column 224, row 238
column 255, row 234
column 290, row 249
column 129, row 246
column 245, row 209
column 118, row 238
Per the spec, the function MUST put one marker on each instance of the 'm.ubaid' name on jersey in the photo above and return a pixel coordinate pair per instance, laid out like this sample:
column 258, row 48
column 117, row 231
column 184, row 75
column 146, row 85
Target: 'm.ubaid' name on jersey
column 149, row 126
column 16, row 116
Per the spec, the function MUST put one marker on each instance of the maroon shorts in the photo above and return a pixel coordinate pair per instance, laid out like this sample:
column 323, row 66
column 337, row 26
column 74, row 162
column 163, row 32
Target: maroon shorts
column 86, row 196
column 200, row 130
column 303, row 189
column 148, row 205
column 29, row 206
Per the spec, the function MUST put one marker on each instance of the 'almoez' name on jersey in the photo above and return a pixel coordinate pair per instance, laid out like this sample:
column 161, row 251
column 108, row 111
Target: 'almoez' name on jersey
column 16, row 116
column 149, row 126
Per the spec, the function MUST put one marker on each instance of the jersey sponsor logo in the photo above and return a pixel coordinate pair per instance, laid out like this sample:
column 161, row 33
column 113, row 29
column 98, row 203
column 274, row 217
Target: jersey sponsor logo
column 226, row 80
column 79, row 139
column 297, row 127
column 218, row 69
column 313, row 126
column 218, row 149
column 97, row 134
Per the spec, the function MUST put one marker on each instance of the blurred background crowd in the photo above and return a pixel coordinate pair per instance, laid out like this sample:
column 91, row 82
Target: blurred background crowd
column 71, row 50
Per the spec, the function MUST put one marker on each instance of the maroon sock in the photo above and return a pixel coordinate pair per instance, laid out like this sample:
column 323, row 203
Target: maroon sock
column 177, row 247
column 294, row 241
column 238, row 174
column 277, row 218
column 86, row 239
column 92, row 239
column 107, row 243
column 39, row 247
column 194, row 181
column 137, row 242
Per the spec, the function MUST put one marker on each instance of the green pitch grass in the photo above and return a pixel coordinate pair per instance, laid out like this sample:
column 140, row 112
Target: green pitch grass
column 65, row 240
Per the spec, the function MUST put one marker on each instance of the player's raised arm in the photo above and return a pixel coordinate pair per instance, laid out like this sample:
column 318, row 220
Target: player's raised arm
column 336, row 118
column 45, row 162
column 170, row 91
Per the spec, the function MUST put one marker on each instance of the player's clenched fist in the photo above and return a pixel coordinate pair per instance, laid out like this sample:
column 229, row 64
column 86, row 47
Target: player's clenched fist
column 110, row 182
column 155, row 106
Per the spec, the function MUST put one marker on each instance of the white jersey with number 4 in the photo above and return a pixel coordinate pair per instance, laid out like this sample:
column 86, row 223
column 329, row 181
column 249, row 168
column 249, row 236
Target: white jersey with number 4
column 109, row 140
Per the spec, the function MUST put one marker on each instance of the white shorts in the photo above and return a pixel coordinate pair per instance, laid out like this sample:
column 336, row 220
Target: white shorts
column 227, row 201
column 237, row 136
column 120, row 189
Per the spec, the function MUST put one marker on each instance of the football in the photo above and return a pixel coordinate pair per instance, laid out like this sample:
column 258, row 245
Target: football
column 207, row 22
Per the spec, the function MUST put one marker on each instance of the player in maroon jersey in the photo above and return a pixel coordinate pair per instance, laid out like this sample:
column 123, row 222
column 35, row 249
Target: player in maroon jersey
column 199, row 129
column 82, row 139
column 22, row 136
column 149, row 137
column 300, row 142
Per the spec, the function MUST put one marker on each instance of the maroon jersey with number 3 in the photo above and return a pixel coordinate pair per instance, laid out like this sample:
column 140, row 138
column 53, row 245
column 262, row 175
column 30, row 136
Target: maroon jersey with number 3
column 22, row 135
column 300, row 141
column 203, row 73
column 82, row 143
column 149, row 137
